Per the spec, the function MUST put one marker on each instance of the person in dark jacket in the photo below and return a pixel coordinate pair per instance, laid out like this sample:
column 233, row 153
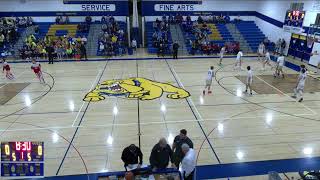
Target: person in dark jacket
column 160, row 156
column 83, row 51
column 180, row 139
column 132, row 156
column 175, row 48
column 50, row 51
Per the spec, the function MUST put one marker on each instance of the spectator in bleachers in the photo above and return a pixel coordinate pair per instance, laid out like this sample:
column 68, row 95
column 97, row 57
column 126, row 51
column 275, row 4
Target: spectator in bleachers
column 88, row 19
column 84, row 39
column 134, row 45
column 29, row 21
column 103, row 19
column 164, row 18
column 200, row 19
column 227, row 19
column 180, row 18
column 171, row 19
column 67, row 21
column 60, row 51
column 112, row 19
column 58, row 20
column 237, row 19
column 101, row 48
column 1, row 39
column 161, row 49
column 188, row 19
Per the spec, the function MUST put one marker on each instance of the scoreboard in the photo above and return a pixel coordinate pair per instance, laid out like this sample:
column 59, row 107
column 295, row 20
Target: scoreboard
column 22, row 159
column 294, row 18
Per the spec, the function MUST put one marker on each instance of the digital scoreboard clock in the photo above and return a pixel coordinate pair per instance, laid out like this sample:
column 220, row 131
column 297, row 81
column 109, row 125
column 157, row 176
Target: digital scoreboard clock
column 294, row 18
column 22, row 159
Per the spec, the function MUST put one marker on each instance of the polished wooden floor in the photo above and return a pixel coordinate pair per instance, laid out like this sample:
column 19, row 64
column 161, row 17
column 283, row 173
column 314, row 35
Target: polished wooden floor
column 83, row 137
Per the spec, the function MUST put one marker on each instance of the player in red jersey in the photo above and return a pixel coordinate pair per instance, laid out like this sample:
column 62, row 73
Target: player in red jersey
column 36, row 67
column 6, row 67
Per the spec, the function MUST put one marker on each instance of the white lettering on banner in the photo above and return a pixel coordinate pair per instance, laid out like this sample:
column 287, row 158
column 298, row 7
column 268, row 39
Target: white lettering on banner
column 175, row 7
column 98, row 7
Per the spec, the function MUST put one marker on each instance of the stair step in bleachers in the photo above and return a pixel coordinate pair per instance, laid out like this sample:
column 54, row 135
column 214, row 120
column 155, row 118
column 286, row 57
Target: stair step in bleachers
column 63, row 29
column 149, row 32
column 251, row 32
column 219, row 35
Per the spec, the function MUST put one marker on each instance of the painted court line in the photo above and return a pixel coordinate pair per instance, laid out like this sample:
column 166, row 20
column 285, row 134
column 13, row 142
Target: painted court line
column 16, row 77
column 93, row 83
column 152, row 123
column 309, row 109
column 189, row 102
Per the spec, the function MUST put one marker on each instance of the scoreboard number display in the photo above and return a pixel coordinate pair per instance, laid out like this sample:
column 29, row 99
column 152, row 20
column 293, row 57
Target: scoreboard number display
column 294, row 18
column 22, row 159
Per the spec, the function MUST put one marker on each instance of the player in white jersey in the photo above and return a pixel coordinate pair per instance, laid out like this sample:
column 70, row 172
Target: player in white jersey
column 279, row 67
column 298, row 90
column 261, row 50
column 36, row 67
column 209, row 77
column 238, row 60
column 267, row 60
column 315, row 53
column 222, row 51
column 249, row 80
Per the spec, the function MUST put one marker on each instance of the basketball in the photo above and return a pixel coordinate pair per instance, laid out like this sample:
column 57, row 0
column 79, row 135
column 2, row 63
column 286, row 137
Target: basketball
column 129, row 176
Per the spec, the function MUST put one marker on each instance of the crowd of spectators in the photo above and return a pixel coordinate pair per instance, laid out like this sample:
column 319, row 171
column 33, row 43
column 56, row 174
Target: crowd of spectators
column 8, row 35
column 62, row 20
column 8, row 31
column 209, row 48
column 179, row 19
column 64, row 47
column 160, row 36
column 24, row 21
column 112, row 39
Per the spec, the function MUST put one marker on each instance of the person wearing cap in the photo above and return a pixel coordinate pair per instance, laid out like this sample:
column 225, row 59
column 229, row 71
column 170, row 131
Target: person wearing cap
column 132, row 157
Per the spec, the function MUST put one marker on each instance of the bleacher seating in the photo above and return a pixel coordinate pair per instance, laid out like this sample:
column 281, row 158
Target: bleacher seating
column 217, row 34
column 251, row 32
column 226, row 36
column 122, row 26
column 149, row 32
column 52, row 29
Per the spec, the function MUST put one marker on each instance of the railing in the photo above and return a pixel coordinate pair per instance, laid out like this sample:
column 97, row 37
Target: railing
column 142, row 173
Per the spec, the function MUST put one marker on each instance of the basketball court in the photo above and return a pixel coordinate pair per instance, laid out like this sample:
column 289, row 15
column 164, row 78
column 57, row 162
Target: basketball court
column 226, row 127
